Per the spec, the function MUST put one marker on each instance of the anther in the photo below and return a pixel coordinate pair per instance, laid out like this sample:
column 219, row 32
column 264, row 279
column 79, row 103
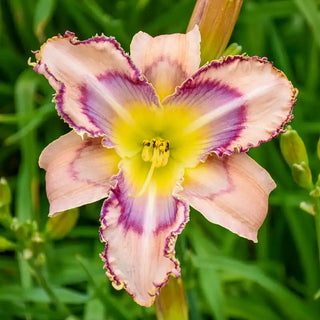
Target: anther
column 157, row 152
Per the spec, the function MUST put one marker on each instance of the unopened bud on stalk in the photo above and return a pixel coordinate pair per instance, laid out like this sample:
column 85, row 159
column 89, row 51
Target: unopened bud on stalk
column 5, row 193
column 232, row 50
column 308, row 207
column 293, row 148
column 302, row 175
column 216, row 20
column 5, row 200
column 171, row 303
column 59, row 226
column 6, row 244
column 316, row 191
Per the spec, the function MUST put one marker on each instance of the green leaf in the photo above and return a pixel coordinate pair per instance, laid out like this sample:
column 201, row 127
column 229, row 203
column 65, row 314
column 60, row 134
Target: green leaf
column 280, row 295
column 311, row 13
column 42, row 15
column 211, row 286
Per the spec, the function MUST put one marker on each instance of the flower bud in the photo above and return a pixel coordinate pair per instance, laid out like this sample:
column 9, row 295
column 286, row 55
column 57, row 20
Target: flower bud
column 59, row 226
column 6, row 244
column 40, row 259
column 171, row 302
column 216, row 20
column 293, row 148
column 5, row 200
column 308, row 207
column 5, row 193
column 318, row 148
column 315, row 193
column 232, row 50
column 302, row 175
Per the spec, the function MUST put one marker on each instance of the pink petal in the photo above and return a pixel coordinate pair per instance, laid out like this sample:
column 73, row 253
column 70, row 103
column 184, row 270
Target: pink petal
column 78, row 171
column 95, row 81
column 166, row 60
column 140, row 235
column 232, row 191
column 242, row 102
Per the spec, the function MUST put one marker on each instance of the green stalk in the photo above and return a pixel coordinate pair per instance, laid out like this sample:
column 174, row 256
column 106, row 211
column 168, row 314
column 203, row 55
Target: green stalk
column 317, row 222
column 61, row 307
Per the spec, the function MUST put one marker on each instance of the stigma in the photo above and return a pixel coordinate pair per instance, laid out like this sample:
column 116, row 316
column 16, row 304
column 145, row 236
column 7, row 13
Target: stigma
column 156, row 151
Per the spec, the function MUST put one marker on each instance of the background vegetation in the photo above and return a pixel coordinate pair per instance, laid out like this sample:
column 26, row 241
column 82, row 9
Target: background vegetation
column 225, row 276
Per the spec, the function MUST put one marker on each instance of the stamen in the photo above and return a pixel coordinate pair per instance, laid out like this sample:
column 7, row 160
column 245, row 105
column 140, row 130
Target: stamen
column 157, row 152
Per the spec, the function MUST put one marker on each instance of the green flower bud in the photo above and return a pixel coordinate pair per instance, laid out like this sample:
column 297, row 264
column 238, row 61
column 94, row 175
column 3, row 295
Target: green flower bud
column 315, row 193
column 5, row 200
column 59, row 226
column 308, row 207
column 318, row 181
column 36, row 242
column 40, row 259
column 5, row 193
column 302, row 175
column 318, row 148
column 6, row 244
column 25, row 230
column 293, row 148
column 232, row 50
column 27, row 254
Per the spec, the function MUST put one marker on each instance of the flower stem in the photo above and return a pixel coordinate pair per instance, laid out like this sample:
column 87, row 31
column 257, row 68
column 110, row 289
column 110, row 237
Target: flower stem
column 61, row 307
column 317, row 222
column 171, row 303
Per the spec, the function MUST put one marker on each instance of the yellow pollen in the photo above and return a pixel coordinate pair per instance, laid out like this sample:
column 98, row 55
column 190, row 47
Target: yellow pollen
column 157, row 152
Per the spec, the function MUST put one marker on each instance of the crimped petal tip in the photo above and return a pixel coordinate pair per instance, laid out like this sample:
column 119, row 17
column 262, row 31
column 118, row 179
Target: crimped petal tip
column 140, row 236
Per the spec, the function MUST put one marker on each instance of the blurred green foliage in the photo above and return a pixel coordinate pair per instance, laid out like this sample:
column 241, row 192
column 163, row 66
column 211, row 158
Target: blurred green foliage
column 225, row 277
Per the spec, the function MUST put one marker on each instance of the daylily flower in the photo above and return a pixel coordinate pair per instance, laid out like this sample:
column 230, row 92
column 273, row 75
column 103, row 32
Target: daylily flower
column 153, row 135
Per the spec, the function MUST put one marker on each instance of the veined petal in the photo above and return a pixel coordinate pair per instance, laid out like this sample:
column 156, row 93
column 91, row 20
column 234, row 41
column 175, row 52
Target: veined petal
column 242, row 102
column 78, row 171
column 166, row 60
column 231, row 191
column 95, row 81
column 140, row 235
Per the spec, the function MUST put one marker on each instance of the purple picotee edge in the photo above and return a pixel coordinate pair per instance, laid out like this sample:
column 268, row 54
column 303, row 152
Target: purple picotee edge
column 290, row 116
column 97, row 39
column 168, row 249
column 229, row 59
column 137, row 77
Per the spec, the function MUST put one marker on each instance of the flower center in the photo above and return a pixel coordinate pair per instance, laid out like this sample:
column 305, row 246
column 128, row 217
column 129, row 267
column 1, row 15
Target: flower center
column 156, row 151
